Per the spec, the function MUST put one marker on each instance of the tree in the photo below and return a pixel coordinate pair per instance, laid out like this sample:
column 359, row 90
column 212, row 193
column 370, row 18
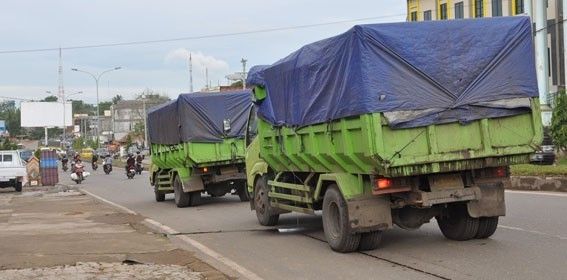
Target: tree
column 117, row 98
column 51, row 98
column 559, row 121
column 11, row 114
column 104, row 106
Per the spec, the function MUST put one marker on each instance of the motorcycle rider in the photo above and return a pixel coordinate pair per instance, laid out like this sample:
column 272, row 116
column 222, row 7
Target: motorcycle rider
column 130, row 162
column 79, row 167
column 94, row 160
column 64, row 161
column 139, row 159
column 107, row 162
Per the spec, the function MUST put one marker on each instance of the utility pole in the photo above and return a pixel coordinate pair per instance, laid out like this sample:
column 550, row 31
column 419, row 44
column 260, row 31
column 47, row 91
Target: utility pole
column 190, row 73
column 61, row 94
column 540, row 19
column 243, row 61
column 207, row 77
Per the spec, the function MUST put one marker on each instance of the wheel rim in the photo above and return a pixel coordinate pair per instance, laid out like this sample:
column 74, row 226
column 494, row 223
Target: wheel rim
column 333, row 219
column 261, row 201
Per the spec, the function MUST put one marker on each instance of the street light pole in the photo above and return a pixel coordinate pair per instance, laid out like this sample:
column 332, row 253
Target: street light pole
column 97, row 79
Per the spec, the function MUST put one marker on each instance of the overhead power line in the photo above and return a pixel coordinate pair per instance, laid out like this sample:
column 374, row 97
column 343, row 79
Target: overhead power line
column 209, row 36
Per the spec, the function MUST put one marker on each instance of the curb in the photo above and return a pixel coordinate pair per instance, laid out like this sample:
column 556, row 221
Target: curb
column 171, row 233
column 537, row 183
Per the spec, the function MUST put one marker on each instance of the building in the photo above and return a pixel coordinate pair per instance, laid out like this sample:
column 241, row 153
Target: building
column 423, row 10
column 129, row 115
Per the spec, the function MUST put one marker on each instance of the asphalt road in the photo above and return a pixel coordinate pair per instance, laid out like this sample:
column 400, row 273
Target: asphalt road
column 531, row 242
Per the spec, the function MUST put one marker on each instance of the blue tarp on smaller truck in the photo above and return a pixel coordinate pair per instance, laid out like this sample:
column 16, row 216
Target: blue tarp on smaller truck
column 416, row 73
column 200, row 117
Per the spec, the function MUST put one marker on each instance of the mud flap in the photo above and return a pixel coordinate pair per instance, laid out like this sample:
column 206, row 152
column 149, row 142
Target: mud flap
column 194, row 183
column 369, row 214
column 491, row 203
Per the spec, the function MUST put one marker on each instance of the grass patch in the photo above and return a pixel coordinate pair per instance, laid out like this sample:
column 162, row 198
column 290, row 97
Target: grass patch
column 559, row 169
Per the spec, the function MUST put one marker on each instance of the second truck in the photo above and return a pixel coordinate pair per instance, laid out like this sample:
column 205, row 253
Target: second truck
column 197, row 146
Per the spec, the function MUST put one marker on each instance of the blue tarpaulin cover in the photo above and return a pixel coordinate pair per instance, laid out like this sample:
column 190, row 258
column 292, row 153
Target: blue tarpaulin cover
column 417, row 73
column 200, row 117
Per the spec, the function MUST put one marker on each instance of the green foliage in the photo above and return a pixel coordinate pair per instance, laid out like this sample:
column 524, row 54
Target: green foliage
column 104, row 106
column 559, row 121
column 7, row 145
column 11, row 114
column 80, row 107
column 117, row 98
column 51, row 98
column 559, row 169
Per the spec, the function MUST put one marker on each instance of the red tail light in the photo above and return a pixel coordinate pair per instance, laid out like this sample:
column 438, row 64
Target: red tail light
column 501, row 171
column 383, row 183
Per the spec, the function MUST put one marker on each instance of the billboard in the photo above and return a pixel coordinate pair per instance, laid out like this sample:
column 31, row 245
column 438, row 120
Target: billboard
column 46, row 114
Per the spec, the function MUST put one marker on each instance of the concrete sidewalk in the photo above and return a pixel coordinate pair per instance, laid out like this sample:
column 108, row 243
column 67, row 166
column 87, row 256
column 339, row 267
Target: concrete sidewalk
column 68, row 235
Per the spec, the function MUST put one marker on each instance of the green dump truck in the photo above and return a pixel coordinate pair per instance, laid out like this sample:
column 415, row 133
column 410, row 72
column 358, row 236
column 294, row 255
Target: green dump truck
column 375, row 132
column 197, row 146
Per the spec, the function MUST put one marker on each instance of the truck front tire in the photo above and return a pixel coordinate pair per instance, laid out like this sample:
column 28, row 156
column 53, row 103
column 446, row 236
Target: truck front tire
column 182, row 199
column 336, row 222
column 160, row 196
column 264, row 211
column 457, row 224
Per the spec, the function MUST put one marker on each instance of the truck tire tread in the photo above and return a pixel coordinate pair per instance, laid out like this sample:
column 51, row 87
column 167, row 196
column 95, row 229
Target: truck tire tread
column 336, row 223
column 486, row 227
column 458, row 224
column 182, row 199
column 264, row 211
column 370, row 240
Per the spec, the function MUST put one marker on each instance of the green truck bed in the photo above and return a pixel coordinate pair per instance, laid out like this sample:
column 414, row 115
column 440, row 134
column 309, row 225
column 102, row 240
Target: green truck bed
column 366, row 145
column 192, row 154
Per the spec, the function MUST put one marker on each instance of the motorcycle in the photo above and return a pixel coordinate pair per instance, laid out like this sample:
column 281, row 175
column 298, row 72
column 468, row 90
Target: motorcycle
column 107, row 168
column 130, row 172
column 79, row 175
column 94, row 165
column 139, row 168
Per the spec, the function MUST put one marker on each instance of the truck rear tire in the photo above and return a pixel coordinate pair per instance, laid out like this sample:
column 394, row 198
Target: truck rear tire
column 370, row 240
column 457, row 224
column 195, row 198
column 264, row 210
column 336, row 223
column 182, row 199
column 486, row 227
column 18, row 186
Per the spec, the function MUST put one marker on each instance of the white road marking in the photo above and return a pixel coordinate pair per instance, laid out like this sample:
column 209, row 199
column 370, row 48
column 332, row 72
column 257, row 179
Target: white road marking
column 538, row 193
column 109, row 202
column 196, row 244
column 533, row 232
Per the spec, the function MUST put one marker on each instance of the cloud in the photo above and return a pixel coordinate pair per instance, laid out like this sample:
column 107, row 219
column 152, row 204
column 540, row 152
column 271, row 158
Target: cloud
column 199, row 59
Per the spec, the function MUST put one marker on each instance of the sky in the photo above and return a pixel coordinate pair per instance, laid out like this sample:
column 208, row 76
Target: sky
column 161, row 67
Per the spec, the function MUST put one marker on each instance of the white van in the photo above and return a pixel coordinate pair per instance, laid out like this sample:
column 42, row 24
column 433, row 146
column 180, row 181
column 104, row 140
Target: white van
column 12, row 170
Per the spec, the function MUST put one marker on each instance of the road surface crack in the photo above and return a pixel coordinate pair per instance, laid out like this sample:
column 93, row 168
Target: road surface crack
column 390, row 261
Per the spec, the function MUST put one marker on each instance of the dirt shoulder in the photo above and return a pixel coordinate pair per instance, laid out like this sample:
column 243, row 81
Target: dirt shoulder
column 46, row 233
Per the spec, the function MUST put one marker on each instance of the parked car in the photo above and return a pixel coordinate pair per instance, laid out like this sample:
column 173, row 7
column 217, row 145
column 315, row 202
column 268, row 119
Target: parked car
column 25, row 155
column 545, row 156
column 86, row 154
column 12, row 170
